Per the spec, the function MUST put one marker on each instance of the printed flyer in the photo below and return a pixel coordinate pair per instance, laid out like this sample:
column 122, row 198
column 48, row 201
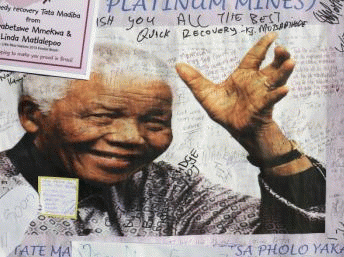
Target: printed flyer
column 47, row 37
column 206, row 128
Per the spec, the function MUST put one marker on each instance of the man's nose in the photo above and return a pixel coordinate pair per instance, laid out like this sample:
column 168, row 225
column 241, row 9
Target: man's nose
column 126, row 132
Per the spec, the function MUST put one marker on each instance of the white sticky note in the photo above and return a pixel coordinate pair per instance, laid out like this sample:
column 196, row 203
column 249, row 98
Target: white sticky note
column 18, row 208
column 58, row 196
column 85, row 249
column 228, row 246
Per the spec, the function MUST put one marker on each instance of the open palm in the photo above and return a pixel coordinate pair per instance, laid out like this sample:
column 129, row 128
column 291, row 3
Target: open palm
column 243, row 102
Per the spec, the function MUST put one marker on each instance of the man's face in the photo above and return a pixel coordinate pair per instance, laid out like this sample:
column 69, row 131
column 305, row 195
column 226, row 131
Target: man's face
column 104, row 130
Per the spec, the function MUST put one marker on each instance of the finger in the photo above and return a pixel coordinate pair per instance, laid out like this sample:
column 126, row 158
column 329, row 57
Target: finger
column 199, row 85
column 281, row 55
column 276, row 95
column 278, row 77
column 256, row 54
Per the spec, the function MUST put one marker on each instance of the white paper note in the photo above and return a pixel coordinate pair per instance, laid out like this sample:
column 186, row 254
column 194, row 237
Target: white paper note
column 17, row 208
column 58, row 196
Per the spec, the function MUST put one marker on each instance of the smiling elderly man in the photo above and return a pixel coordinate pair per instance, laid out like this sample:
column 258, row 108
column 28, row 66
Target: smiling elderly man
column 108, row 130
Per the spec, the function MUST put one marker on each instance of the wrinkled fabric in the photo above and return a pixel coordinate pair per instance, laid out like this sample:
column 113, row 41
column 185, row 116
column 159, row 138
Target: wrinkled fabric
column 162, row 201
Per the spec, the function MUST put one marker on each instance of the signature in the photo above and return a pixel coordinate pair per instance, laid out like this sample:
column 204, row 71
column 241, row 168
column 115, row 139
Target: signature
column 330, row 12
column 341, row 49
column 14, row 81
column 5, row 75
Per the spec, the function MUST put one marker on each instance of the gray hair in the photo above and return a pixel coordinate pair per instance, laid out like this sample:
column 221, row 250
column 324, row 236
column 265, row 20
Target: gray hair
column 110, row 60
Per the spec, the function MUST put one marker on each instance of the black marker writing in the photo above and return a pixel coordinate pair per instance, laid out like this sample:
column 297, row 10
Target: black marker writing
column 341, row 49
column 330, row 11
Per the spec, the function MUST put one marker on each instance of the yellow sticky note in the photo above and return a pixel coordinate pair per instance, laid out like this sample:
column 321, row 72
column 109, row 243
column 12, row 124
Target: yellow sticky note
column 58, row 196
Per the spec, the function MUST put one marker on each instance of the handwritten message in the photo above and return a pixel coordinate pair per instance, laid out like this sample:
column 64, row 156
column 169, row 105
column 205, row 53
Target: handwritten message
column 58, row 196
column 96, row 249
column 198, row 26
column 188, row 165
column 43, row 250
column 17, row 208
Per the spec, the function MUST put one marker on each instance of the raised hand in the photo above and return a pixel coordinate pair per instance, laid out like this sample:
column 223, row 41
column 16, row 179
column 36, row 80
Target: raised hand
column 243, row 103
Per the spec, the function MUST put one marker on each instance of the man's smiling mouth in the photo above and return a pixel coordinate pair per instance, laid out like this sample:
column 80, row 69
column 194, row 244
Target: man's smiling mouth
column 120, row 154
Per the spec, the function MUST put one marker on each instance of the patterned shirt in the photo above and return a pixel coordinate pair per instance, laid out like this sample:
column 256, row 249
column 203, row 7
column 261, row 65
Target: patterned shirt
column 162, row 201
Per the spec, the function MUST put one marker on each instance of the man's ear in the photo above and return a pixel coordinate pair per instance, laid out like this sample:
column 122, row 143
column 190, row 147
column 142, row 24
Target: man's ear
column 29, row 114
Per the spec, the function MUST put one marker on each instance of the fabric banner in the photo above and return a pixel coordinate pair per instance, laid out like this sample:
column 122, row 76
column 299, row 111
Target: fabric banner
column 213, row 119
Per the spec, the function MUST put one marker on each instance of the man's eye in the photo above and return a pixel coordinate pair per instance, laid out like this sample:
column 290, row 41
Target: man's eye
column 102, row 118
column 157, row 125
column 105, row 115
column 154, row 126
column 102, row 115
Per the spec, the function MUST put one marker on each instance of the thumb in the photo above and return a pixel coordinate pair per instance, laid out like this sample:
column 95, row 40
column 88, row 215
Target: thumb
column 200, row 86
